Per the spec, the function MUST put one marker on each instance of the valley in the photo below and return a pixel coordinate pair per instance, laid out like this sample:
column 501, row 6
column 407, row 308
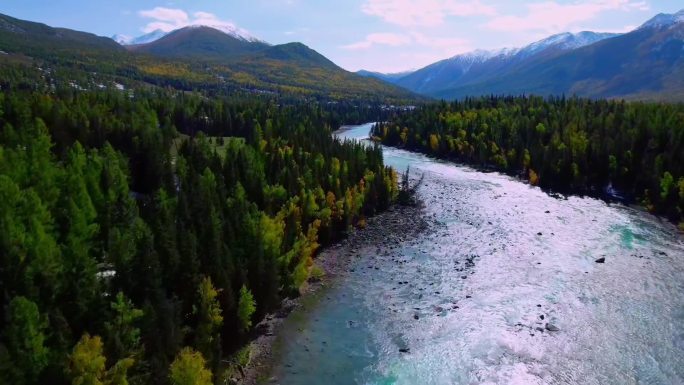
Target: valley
column 190, row 202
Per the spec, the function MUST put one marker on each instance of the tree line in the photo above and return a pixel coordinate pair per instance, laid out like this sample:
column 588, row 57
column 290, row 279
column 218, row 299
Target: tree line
column 570, row 145
column 143, row 236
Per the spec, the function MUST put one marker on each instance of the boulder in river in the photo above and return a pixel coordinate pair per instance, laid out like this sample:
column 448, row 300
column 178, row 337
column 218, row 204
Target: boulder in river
column 601, row 260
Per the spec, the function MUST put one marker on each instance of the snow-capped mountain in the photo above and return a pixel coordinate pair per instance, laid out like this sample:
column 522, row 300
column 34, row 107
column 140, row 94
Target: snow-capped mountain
column 565, row 41
column 662, row 20
column 199, row 41
column 480, row 56
column 480, row 64
column 561, row 41
column 148, row 37
column 584, row 63
column 231, row 30
column 144, row 39
column 121, row 39
column 228, row 29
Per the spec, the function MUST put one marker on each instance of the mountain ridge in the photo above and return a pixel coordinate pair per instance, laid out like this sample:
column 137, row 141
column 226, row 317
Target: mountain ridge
column 643, row 64
column 471, row 66
column 585, row 63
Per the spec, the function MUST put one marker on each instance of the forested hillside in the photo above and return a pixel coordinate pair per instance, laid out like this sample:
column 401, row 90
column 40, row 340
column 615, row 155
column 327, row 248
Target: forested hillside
column 189, row 59
column 568, row 145
column 134, row 226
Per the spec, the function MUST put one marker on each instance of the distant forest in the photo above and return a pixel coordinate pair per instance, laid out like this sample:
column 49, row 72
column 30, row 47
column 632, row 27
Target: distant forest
column 569, row 145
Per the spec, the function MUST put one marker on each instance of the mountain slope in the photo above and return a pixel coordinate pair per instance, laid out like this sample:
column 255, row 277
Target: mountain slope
column 298, row 68
column 148, row 37
column 296, row 53
column 483, row 65
column 390, row 78
column 121, row 39
column 36, row 39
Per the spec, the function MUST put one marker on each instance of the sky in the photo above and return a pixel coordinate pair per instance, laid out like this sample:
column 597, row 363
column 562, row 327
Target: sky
column 378, row 35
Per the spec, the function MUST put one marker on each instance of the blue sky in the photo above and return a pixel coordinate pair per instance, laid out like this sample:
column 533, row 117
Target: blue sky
column 380, row 35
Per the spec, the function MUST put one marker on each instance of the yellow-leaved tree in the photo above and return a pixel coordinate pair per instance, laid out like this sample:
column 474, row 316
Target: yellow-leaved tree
column 189, row 368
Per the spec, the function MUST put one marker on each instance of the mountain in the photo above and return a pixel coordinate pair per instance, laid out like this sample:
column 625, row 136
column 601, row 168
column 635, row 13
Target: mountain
column 200, row 42
column 390, row 78
column 231, row 30
column 192, row 58
column 647, row 63
column 563, row 42
column 664, row 20
column 295, row 53
column 122, row 39
column 148, row 37
column 298, row 68
column 256, row 64
column 481, row 65
column 157, row 34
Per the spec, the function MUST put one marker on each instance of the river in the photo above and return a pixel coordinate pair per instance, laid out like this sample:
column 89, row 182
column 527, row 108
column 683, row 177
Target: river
column 465, row 305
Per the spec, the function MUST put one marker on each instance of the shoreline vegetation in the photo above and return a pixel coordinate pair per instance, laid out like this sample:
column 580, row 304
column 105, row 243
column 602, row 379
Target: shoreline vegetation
column 630, row 152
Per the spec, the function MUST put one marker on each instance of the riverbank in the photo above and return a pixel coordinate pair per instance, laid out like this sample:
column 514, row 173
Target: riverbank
column 607, row 194
column 382, row 233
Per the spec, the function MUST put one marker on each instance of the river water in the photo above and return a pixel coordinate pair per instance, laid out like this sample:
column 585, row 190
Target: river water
column 474, row 289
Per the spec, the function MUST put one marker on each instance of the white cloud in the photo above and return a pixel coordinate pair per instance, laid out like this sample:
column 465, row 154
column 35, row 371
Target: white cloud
column 438, row 45
column 552, row 17
column 391, row 39
column 298, row 31
column 410, row 13
column 169, row 19
column 168, row 15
